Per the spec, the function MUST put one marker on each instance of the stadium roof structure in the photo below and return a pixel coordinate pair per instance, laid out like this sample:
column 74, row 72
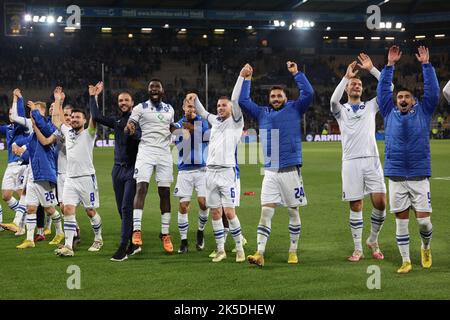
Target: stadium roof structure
column 403, row 7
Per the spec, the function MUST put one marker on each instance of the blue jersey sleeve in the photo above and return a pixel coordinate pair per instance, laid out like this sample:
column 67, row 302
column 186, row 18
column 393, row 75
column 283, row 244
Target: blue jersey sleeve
column 246, row 103
column 431, row 89
column 306, row 93
column 384, row 91
column 46, row 128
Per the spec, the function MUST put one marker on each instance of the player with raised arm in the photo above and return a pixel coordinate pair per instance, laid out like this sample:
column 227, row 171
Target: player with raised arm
column 407, row 162
column 81, row 182
column 154, row 117
column 362, row 172
column 280, row 134
column 41, row 182
column 14, row 173
column 226, row 132
column 125, row 151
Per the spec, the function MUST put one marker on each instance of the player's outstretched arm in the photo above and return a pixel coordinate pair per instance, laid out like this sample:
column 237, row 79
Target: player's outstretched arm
column 430, row 82
column 45, row 141
column 245, row 102
column 446, row 91
column 384, row 87
column 201, row 111
column 336, row 97
column 235, row 108
column 15, row 116
column 57, row 114
column 93, row 106
column 306, row 94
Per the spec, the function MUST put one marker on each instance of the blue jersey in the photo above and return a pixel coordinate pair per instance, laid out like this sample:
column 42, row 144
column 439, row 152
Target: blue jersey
column 196, row 146
column 14, row 131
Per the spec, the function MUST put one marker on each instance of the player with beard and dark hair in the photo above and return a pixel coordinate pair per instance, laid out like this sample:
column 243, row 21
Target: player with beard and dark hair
column 125, row 151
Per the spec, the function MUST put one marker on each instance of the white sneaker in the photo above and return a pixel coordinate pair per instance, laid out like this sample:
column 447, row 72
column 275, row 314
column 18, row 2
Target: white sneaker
column 21, row 232
column 221, row 255
column 240, row 256
column 64, row 252
column 96, row 246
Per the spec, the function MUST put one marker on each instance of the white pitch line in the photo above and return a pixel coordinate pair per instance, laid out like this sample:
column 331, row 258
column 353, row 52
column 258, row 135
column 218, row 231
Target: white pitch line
column 442, row 178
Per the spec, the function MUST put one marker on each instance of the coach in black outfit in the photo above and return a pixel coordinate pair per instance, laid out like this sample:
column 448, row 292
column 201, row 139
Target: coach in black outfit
column 125, row 151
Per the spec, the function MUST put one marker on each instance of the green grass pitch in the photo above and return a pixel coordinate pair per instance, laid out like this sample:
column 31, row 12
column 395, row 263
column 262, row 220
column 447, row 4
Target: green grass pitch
column 325, row 243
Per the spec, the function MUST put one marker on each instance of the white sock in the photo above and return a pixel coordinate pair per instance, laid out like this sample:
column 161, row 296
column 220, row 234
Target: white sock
column 426, row 231
column 13, row 203
column 219, row 234
column 31, row 226
column 137, row 219
column 21, row 212
column 356, row 226
column 202, row 219
column 70, row 228
column 377, row 220
column 56, row 218
column 48, row 223
column 226, row 231
column 264, row 228
column 96, row 223
column 295, row 226
column 402, row 236
column 183, row 225
column 1, row 214
column 165, row 222
column 235, row 229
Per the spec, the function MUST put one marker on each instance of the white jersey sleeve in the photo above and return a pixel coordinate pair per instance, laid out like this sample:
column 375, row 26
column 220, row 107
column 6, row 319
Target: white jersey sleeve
column 236, row 109
column 136, row 113
column 446, row 92
column 335, row 103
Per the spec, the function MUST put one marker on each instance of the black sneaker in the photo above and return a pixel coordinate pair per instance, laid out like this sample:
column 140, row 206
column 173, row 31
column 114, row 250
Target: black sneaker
column 200, row 240
column 133, row 249
column 183, row 246
column 120, row 255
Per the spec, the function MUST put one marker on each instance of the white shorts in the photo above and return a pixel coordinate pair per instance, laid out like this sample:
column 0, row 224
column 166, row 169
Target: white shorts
column 81, row 189
column 162, row 164
column 360, row 177
column 406, row 194
column 60, row 188
column 221, row 188
column 283, row 188
column 41, row 193
column 14, row 178
column 187, row 181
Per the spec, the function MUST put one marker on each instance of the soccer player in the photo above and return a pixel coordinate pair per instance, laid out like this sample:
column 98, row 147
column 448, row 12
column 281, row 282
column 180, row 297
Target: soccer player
column 154, row 118
column 14, row 173
column 407, row 152
column 226, row 132
column 362, row 172
column 280, row 133
column 125, row 151
column 40, row 189
column 191, row 142
column 81, row 182
column 446, row 91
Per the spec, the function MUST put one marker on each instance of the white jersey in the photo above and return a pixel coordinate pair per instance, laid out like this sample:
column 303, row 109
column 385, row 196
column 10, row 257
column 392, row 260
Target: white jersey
column 446, row 92
column 357, row 125
column 225, row 134
column 358, row 130
column 79, row 148
column 224, row 139
column 155, row 126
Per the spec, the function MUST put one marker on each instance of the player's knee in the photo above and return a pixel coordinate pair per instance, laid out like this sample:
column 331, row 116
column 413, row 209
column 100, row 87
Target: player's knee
column 184, row 207
column 31, row 209
column 216, row 213
column 6, row 195
column 202, row 204
column 91, row 212
column 141, row 189
column 356, row 206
